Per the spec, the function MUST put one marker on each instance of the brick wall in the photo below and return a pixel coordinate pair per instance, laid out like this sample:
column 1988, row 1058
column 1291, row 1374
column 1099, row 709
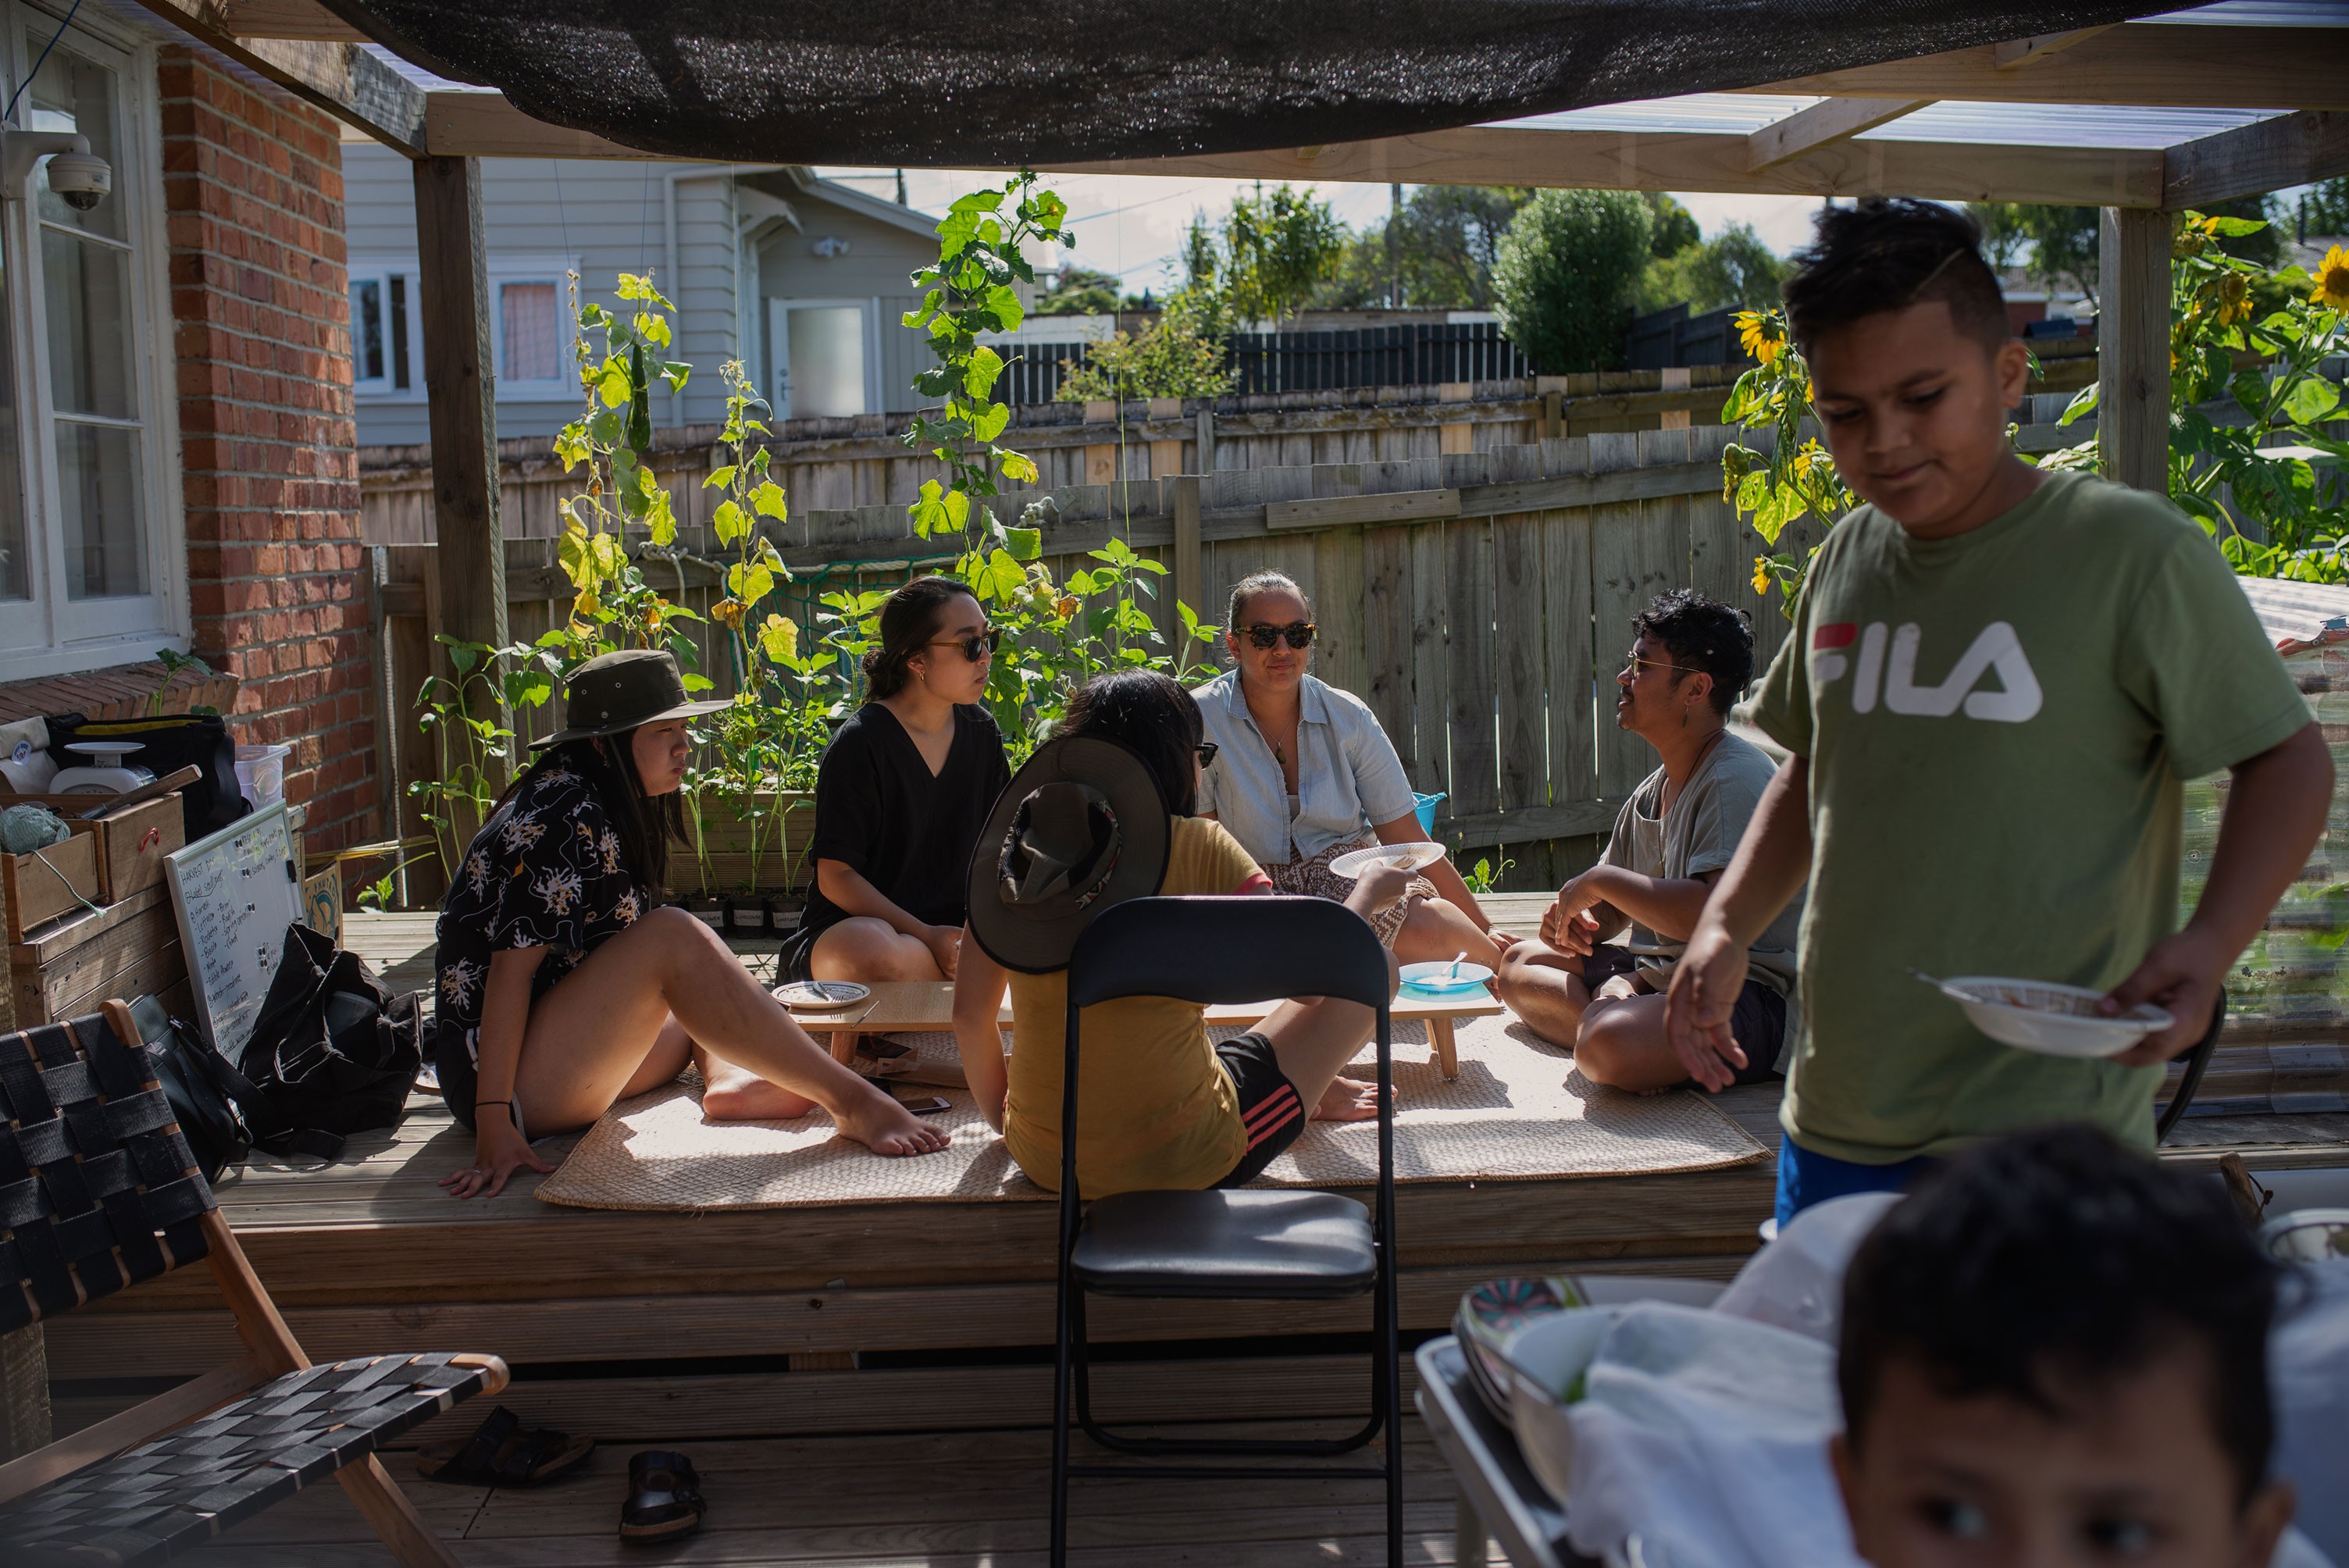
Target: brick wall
column 253, row 186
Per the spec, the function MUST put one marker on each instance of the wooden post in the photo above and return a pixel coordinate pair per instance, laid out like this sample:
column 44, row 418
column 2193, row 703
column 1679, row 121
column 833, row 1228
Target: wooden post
column 1207, row 458
column 459, row 384
column 1190, row 571
column 2133, row 347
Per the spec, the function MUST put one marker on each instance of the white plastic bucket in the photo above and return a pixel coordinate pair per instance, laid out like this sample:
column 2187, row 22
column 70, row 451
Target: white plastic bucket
column 261, row 773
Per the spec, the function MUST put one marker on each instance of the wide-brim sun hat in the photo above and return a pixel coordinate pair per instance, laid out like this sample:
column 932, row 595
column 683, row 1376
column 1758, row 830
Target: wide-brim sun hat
column 621, row 691
column 1081, row 828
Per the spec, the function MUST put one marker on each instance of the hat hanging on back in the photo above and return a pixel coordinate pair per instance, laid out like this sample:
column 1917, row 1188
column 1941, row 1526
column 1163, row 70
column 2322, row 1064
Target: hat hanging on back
column 619, row 691
column 1081, row 828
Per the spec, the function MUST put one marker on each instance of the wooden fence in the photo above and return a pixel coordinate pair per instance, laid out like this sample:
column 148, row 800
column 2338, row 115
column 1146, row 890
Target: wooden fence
column 1475, row 578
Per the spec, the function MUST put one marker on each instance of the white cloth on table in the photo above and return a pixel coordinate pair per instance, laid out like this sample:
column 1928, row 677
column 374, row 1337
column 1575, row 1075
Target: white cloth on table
column 1706, row 1436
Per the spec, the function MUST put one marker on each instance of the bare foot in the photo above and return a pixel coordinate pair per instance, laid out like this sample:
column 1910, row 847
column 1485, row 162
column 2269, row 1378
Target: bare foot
column 884, row 1127
column 738, row 1094
column 1347, row 1099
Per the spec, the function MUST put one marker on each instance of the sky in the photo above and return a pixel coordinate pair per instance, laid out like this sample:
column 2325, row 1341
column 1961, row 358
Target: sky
column 1133, row 224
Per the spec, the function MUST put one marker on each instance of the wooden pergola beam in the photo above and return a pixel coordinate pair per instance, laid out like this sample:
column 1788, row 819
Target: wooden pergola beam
column 2290, row 149
column 1633, row 160
column 2152, row 65
column 2019, row 52
column 340, row 77
column 1826, row 121
column 463, row 124
column 286, row 19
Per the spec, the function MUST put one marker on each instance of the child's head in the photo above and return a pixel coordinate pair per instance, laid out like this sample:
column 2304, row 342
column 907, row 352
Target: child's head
column 2054, row 1352
column 1913, row 369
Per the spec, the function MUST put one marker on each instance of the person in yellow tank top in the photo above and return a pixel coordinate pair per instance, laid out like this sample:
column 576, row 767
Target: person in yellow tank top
column 1092, row 818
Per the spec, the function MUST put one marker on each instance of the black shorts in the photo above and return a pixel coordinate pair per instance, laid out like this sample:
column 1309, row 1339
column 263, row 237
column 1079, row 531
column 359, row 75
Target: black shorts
column 1269, row 1105
column 1757, row 1022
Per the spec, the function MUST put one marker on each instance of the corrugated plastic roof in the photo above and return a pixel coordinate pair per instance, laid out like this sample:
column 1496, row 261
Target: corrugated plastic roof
column 2028, row 125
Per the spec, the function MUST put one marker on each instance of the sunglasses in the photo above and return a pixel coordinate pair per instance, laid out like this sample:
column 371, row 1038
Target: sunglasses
column 1299, row 633
column 1632, row 663
column 1207, row 751
column 975, row 648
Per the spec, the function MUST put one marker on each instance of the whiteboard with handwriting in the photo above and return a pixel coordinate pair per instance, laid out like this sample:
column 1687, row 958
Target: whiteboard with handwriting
column 235, row 892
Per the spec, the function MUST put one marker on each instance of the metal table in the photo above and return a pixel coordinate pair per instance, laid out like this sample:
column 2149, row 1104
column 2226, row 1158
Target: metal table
column 1498, row 1495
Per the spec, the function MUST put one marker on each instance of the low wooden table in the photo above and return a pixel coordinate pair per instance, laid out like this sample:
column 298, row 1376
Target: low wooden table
column 911, row 1006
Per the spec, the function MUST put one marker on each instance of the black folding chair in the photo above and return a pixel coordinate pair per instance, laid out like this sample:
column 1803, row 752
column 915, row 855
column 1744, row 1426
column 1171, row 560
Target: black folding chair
column 2197, row 1061
column 1260, row 1246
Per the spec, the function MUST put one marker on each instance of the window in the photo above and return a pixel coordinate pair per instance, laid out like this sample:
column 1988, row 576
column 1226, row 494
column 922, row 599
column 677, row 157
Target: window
column 383, row 345
column 89, row 522
column 529, row 342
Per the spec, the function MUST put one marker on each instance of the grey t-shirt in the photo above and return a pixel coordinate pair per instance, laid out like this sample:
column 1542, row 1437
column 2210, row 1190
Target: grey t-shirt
column 1697, row 835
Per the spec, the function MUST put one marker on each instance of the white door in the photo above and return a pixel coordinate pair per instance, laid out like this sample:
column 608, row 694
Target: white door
column 818, row 351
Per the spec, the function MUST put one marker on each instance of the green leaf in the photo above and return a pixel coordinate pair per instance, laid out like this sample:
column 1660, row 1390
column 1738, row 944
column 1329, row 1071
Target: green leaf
column 990, row 424
column 2083, row 404
column 700, row 683
column 1024, row 543
column 999, row 578
column 986, row 365
column 1003, row 304
column 779, row 638
column 2236, row 228
column 2311, row 400
column 750, row 583
column 730, row 522
column 1017, row 467
column 719, row 476
column 768, row 498
column 612, row 383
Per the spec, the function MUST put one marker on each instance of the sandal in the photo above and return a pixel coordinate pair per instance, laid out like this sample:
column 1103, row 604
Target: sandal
column 664, row 1497
column 502, row 1452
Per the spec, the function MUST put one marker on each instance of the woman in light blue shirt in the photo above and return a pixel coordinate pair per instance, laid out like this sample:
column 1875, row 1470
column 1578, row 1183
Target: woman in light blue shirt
column 1303, row 773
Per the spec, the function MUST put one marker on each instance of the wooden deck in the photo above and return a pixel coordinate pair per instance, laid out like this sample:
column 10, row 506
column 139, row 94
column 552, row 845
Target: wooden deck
column 866, row 1383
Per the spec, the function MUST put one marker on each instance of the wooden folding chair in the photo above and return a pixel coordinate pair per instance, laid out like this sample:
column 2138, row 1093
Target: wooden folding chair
column 99, row 1191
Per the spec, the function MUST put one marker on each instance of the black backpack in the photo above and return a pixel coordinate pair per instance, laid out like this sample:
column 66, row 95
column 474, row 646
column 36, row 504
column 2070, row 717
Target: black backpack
column 205, row 1092
column 332, row 1052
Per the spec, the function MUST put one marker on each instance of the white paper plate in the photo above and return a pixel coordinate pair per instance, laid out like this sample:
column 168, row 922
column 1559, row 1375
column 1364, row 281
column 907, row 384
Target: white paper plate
column 1436, row 979
column 820, row 995
column 1409, row 857
column 2055, row 1020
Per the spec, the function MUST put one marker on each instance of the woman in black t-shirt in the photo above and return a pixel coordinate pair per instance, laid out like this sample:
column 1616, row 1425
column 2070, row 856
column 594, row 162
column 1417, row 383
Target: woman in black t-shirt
column 565, row 982
column 901, row 795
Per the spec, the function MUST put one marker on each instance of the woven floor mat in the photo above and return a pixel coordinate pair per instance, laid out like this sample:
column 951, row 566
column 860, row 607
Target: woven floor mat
column 1517, row 1112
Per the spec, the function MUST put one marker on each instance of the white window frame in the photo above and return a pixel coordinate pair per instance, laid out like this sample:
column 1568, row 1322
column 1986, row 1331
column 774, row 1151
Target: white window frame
column 562, row 387
column 385, row 388
column 51, row 634
column 778, row 346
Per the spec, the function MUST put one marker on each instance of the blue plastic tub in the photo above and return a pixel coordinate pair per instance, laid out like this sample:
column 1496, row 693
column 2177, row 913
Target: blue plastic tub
column 1425, row 805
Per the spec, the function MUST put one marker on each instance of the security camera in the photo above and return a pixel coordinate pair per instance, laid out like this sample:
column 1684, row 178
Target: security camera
column 76, row 174
column 82, row 180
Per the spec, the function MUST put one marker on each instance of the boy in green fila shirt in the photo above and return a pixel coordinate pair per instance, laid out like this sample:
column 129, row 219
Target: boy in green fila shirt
column 1996, row 680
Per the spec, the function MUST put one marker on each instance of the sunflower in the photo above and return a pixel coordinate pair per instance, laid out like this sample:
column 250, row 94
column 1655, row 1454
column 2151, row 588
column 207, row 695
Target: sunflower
column 1757, row 334
column 1761, row 574
column 2333, row 279
column 2234, row 299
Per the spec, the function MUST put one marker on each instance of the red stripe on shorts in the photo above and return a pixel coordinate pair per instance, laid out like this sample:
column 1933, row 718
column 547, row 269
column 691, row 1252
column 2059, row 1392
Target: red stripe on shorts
column 1272, row 1113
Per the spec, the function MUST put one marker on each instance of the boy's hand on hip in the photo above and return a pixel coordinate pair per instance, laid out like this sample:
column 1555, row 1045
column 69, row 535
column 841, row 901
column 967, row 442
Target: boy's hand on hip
column 2180, row 974
column 1705, row 984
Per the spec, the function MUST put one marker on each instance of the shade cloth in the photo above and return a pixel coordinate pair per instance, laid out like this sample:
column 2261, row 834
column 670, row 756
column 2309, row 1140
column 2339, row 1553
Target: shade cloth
column 1001, row 82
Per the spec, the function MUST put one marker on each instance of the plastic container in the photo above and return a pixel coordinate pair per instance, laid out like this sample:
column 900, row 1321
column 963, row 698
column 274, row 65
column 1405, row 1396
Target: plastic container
column 1424, row 806
column 261, row 774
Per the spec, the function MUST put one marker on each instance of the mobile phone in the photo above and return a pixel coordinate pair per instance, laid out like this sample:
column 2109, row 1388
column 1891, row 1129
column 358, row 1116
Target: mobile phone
column 928, row 1105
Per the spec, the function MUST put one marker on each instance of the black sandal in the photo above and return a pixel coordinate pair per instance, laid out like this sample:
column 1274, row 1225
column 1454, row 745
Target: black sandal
column 664, row 1497
column 502, row 1452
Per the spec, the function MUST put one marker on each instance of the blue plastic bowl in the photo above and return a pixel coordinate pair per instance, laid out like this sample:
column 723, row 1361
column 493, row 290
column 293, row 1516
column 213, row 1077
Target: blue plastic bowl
column 1424, row 805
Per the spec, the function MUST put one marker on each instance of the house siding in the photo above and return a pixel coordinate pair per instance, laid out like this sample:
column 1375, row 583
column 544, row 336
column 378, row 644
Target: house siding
column 881, row 257
column 253, row 190
column 612, row 216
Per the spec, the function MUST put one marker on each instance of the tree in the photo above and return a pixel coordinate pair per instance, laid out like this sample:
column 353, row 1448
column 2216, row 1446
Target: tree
column 1180, row 355
column 1078, row 290
column 1733, row 268
column 2324, row 209
column 1564, row 276
column 1445, row 239
column 1671, row 230
column 2064, row 244
column 1268, row 255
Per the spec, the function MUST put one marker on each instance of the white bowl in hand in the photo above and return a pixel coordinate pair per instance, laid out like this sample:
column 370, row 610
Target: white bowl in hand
column 2053, row 1019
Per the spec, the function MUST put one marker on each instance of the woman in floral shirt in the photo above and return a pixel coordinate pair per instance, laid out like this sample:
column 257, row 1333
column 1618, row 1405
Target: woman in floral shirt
column 567, row 983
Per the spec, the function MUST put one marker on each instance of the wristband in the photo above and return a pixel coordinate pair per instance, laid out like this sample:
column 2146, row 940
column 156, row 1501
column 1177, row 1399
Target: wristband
column 513, row 1111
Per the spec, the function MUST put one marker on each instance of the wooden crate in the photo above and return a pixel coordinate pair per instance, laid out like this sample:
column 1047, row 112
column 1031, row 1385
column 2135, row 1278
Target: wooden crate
column 49, row 883
column 127, row 949
column 716, row 858
column 132, row 843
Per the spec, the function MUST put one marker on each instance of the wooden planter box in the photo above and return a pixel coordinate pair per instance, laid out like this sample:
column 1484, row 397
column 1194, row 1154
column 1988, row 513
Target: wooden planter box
column 130, row 949
column 40, row 888
column 132, row 843
column 720, row 861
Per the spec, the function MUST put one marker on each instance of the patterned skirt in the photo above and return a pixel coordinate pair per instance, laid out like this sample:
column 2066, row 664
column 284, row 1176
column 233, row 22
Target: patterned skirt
column 1314, row 879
